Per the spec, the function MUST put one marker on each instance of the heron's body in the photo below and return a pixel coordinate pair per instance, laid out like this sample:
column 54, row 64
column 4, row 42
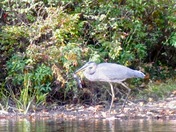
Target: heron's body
column 109, row 72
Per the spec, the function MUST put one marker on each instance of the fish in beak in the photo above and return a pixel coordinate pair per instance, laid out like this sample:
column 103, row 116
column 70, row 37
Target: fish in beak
column 78, row 71
column 77, row 80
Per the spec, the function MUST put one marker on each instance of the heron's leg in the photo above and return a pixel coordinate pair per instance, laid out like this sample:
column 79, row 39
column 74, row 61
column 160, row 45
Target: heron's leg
column 129, row 91
column 118, row 91
column 113, row 96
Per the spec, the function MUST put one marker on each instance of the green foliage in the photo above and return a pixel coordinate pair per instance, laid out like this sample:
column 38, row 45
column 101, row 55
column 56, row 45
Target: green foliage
column 32, row 83
column 4, row 106
column 173, row 39
column 42, row 78
column 46, row 41
column 158, row 90
column 158, row 72
column 26, row 95
column 15, row 67
column 13, row 38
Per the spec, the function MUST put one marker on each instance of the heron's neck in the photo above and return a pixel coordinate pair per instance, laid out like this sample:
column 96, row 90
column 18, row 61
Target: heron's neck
column 91, row 76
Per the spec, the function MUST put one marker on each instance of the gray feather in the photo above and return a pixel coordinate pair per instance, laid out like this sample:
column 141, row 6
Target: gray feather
column 109, row 72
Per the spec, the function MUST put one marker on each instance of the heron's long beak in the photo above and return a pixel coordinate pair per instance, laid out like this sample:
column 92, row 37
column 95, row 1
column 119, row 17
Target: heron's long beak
column 81, row 69
column 76, row 77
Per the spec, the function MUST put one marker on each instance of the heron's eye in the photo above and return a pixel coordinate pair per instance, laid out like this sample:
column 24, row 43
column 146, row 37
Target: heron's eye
column 90, row 67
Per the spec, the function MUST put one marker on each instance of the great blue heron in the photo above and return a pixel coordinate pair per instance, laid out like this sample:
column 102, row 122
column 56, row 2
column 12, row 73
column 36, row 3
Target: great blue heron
column 111, row 73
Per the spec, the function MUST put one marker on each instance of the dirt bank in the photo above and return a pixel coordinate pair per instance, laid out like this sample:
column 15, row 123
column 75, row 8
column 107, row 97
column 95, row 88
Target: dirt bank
column 163, row 109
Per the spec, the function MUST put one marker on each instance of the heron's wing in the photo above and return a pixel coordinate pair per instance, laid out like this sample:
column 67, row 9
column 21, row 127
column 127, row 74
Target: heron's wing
column 112, row 72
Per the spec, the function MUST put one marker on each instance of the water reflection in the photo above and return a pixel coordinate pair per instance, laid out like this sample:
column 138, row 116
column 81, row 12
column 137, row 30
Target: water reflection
column 93, row 125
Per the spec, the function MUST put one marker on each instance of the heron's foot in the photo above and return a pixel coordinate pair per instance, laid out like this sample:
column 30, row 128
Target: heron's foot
column 109, row 111
column 123, row 106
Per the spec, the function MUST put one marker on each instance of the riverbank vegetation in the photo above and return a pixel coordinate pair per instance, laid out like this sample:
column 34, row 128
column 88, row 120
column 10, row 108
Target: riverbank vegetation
column 42, row 43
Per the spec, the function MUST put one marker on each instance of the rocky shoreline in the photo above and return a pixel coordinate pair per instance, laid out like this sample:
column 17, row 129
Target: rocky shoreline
column 162, row 109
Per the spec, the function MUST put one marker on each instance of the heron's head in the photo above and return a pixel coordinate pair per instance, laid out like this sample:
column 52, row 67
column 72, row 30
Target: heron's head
column 88, row 67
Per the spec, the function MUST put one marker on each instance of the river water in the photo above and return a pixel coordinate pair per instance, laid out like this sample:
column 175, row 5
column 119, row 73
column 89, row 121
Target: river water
column 92, row 125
